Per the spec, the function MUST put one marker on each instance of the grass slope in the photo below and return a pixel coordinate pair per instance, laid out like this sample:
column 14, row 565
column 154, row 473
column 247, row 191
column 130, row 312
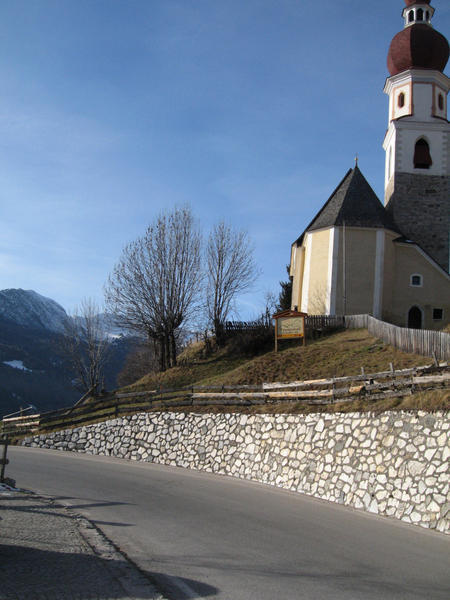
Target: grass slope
column 340, row 354
column 343, row 353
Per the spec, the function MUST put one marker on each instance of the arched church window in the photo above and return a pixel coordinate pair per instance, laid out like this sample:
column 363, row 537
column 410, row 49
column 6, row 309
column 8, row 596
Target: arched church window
column 419, row 16
column 427, row 15
column 401, row 100
column 410, row 16
column 422, row 156
column 441, row 102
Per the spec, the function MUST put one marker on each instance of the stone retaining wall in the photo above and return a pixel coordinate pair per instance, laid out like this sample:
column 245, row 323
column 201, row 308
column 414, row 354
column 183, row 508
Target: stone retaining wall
column 393, row 464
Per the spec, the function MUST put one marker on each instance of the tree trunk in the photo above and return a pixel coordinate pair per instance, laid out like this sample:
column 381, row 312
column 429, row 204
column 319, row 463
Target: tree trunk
column 162, row 354
column 173, row 350
column 167, row 350
column 219, row 332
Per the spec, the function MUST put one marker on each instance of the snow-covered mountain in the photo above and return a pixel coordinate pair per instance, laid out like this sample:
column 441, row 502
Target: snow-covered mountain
column 30, row 309
column 34, row 369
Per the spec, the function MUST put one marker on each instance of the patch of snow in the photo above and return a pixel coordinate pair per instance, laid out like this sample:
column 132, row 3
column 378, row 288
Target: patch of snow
column 114, row 336
column 17, row 364
column 7, row 490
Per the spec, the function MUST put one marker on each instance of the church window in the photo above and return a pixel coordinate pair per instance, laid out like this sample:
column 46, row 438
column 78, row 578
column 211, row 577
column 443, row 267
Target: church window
column 420, row 14
column 422, row 156
column 401, row 100
column 416, row 280
column 427, row 14
column 410, row 16
column 441, row 102
column 438, row 314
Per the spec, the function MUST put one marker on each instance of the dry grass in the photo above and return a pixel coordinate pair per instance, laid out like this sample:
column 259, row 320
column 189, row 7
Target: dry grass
column 430, row 401
column 341, row 354
column 191, row 369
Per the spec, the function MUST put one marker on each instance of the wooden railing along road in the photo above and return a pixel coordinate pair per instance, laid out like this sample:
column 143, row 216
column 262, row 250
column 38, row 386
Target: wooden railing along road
column 323, row 391
column 371, row 387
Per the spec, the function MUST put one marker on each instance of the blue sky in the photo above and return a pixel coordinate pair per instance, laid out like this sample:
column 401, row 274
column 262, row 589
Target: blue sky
column 248, row 110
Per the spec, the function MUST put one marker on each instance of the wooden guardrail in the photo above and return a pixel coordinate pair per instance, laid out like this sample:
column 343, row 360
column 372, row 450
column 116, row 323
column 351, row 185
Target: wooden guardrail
column 19, row 425
column 372, row 387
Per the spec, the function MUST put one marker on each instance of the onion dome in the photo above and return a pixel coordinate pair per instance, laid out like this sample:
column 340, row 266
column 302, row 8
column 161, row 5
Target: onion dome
column 418, row 45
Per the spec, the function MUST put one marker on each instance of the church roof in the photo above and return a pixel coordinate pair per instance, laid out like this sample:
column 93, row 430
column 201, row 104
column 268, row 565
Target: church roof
column 353, row 203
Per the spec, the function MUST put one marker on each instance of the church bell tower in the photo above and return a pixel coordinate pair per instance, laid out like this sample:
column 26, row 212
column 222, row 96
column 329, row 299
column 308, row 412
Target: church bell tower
column 417, row 142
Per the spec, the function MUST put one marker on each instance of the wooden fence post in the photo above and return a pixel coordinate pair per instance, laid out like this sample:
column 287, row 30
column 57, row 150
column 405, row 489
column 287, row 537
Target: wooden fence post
column 4, row 461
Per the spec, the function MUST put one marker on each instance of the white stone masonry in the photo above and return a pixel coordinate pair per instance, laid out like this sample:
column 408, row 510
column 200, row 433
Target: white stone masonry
column 394, row 464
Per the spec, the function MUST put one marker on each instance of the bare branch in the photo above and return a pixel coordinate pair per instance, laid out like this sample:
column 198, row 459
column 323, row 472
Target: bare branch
column 154, row 287
column 86, row 344
column 230, row 271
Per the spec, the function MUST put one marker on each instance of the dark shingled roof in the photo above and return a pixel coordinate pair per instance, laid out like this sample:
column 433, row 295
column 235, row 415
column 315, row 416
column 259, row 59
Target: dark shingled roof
column 354, row 203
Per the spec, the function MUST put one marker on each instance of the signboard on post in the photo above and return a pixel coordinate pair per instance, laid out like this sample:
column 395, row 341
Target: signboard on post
column 289, row 324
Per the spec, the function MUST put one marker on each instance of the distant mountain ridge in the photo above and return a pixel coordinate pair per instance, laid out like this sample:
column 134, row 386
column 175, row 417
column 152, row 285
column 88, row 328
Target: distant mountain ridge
column 30, row 309
column 33, row 366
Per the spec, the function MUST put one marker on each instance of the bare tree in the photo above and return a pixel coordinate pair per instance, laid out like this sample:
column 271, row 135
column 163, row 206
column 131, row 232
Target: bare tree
column 139, row 362
column 271, row 306
column 154, row 286
column 230, row 271
column 85, row 344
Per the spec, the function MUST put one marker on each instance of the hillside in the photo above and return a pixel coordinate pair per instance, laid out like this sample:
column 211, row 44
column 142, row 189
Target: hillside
column 342, row 353
column 33, row 367
column 34, row 370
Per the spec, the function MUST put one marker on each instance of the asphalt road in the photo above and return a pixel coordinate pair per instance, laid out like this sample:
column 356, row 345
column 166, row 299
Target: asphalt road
column 205, row 536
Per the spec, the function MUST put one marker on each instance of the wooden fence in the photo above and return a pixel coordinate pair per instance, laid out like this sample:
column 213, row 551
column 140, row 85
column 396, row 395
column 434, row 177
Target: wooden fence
column 324, row 322
column 244, row 326
column 416, row 341
column 313, row 324
column 370, row 387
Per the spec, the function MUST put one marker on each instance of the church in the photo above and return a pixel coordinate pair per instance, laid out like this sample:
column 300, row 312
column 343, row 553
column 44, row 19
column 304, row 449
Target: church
column 391, row 260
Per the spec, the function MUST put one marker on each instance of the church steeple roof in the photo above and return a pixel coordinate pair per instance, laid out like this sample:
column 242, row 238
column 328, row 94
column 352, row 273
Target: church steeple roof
column 353, row 204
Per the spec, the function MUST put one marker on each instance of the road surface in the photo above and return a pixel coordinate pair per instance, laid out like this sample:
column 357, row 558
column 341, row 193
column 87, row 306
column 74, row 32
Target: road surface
column 205, row 536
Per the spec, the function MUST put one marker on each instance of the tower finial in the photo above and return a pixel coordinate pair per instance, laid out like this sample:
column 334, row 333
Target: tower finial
column 356, row 160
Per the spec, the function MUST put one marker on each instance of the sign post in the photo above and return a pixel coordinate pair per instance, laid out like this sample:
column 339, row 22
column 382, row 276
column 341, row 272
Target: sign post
column 289, row 324
column 3, row 461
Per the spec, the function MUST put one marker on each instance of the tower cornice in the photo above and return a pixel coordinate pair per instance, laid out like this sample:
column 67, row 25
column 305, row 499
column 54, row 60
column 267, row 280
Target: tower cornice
column 418, row 76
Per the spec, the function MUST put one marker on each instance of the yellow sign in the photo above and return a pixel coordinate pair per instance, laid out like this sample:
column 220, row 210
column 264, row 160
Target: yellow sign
column 290, row 327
